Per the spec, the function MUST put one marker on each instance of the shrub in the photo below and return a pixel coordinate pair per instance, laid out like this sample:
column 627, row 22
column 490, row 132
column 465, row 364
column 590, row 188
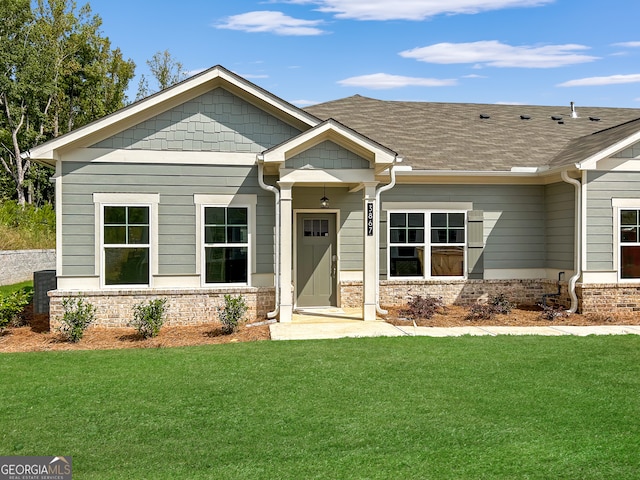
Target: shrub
column 423, row 307
column 232, row 313
column 498, row 305
column 149, row 317
column 481, row 311
column 12, row 305
column 78, row 315
column 501, row 305
column 551, row 312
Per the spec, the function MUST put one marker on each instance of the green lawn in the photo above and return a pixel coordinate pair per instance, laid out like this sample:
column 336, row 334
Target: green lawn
column 9, row 289
column 376, row 408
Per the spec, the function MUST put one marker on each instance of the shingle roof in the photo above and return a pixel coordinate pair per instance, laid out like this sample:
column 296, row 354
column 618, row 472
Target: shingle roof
column 452, row 136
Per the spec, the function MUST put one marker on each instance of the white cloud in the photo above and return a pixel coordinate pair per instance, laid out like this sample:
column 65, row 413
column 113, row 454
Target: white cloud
column 412, row 9
column 271, row 22
column 598, row 81
column 627, row 44
column 495, row 54
column 304, row 103
column 384, row 81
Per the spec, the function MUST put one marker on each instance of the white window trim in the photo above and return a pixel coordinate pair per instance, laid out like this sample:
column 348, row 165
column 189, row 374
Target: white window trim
column 249, row 202
column 619, row 204
column 427, row 244
column 151, row 200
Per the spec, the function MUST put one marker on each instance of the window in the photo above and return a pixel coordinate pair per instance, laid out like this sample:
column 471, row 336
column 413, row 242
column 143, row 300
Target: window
column 226, row 244
column 126, row 244
column 629, row 243
column 440, row 234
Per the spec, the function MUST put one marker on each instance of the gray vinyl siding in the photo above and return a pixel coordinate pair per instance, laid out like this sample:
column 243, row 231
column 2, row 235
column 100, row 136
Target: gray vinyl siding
column 514, row 219
column 560, row 221
column 351, row 218
column 601, row 188
column 217, row 121
column 327, row 155
column 176, row 185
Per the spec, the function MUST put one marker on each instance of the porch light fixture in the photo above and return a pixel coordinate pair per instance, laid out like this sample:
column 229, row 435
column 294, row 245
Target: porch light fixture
column 324, row 201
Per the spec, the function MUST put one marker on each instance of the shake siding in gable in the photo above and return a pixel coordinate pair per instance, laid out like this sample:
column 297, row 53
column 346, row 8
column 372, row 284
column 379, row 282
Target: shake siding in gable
column 560, row 212
column 176, row 185
column 601, row 188
column 514, row 218
column 217, row 121
column 328, row 155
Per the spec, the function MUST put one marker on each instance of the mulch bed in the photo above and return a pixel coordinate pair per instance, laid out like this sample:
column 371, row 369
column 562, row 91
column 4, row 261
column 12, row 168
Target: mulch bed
column 34, row 334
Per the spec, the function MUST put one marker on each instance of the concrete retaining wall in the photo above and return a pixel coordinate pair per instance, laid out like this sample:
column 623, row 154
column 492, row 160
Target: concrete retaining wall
column 18, row 265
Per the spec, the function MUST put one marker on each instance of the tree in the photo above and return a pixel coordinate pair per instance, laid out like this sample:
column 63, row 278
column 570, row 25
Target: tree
column 60, row 73
column 166, row 71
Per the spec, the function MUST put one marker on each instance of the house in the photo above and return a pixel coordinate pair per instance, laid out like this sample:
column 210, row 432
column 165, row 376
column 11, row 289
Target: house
column 217, row 186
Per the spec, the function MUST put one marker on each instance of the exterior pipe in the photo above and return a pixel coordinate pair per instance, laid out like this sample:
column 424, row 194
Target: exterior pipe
column 276, row 264
column 384, row 188
column 577, row 240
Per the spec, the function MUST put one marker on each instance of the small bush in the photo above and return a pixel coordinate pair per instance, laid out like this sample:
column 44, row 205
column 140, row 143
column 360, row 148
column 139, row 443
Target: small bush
column 423, row 307
column 149, row 317
column 232, row 313
column 78, row 315
column 481, row 311
column 498, row 305
column 552, row 312
column 501, row 305
column 12, row 305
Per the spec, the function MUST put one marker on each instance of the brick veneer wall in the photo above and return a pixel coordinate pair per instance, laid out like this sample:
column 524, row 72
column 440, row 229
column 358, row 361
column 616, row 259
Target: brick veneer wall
column 114, row 308
column 395, row 293
column 609, row 297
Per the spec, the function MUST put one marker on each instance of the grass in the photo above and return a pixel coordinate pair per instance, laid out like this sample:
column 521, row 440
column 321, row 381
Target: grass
column 28, row 228
column 375, row 408
column 9, row 289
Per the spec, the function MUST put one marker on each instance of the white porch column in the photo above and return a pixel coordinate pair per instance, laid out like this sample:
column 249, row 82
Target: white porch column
column 286, row 261
column 370, row 233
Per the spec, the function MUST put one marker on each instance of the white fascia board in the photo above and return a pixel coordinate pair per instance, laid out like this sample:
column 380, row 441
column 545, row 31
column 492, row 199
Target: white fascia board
column 591, row 162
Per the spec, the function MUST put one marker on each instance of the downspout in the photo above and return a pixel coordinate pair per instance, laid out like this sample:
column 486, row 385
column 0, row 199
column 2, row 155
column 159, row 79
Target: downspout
column 384, row 188
column 577, row 240
column 276, row 264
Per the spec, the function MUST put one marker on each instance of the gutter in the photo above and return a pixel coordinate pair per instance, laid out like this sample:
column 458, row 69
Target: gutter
column 276, row 265
column 384, row 188
column 577, row 247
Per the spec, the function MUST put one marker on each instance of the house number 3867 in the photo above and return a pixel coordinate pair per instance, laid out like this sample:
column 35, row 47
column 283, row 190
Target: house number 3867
column 369, row 219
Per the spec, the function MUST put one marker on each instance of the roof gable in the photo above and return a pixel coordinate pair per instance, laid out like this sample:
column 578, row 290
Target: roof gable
column 378, row 156
column 168, row 99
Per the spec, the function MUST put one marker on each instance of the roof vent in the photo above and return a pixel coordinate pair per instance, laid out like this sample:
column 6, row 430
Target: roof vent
column 484, row 116
column 574, row 114
column 594, row 119
column 525, row 117
column 561, row 122
column 557, row 118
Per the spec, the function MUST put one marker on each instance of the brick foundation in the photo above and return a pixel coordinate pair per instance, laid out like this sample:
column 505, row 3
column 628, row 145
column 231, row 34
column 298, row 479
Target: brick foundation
column 114, row 308
column 609, row 298
column 395, row 293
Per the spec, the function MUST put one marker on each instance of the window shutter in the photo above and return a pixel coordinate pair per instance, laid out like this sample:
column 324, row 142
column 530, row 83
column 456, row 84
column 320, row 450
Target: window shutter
column 475, row 244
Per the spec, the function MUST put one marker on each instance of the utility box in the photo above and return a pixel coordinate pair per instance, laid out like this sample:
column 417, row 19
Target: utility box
column 43, row 282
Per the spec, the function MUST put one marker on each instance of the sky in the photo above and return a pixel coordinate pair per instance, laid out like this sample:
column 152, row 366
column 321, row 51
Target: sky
column 526, row 52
